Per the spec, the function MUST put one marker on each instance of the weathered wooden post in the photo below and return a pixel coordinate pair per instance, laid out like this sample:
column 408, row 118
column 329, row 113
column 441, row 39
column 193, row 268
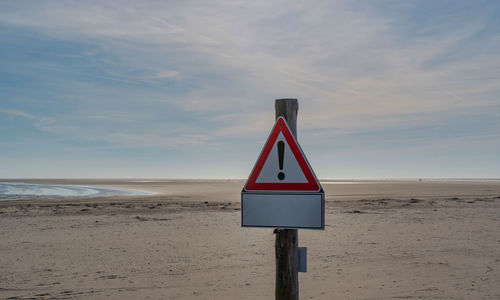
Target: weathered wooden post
column 286, row 245
column 282, row 192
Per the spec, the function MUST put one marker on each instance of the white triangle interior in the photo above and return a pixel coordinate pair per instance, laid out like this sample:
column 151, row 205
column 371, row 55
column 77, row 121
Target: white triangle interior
column 291, row 168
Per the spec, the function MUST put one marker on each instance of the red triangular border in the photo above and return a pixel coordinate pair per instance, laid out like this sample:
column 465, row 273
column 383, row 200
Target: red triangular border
column 312, row 183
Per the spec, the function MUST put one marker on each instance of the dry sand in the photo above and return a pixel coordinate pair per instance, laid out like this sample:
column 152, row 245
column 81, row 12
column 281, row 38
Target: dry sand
column 383, row 240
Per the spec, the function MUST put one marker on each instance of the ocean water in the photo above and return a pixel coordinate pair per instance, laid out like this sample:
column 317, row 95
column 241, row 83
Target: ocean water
column 21, row 191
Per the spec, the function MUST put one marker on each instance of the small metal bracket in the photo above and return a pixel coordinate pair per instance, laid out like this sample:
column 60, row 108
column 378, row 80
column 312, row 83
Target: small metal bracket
column 302, row 265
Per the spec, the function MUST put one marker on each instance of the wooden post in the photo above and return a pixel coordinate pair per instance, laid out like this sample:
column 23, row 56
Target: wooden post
column 286, row 246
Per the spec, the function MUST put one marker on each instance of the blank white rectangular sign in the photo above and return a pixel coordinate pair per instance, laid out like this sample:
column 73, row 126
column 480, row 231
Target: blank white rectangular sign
column 282, row 210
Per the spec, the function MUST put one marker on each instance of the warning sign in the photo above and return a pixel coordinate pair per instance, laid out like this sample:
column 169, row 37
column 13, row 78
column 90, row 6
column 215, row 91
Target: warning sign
column 282, row 166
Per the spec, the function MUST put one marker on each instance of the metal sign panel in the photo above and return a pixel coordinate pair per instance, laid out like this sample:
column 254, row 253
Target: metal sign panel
column 282, row 166
column 283, row 210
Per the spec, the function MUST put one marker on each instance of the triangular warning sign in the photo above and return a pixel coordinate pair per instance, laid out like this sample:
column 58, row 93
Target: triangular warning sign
column 282, row 166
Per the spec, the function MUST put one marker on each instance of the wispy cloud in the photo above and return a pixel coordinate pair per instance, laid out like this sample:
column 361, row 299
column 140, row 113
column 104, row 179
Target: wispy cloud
column 17, row 113
column 167, row 74
column 38, row 121
column 155, row 140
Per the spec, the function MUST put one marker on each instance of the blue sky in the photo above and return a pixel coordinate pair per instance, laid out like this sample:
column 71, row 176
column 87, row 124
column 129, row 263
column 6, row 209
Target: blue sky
column 186, row 89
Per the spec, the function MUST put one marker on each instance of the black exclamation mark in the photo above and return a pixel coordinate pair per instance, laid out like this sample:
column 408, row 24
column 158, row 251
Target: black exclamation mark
column 281, row 154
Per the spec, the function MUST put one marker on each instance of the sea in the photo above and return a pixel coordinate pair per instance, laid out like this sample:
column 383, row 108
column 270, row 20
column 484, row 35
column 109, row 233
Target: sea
column 25, row 191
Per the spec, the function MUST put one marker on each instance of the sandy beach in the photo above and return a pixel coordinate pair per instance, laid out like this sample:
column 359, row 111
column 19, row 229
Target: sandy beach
column 383, row 240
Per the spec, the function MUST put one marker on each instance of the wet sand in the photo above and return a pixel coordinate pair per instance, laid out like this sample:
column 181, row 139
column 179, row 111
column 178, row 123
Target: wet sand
column 383, row 240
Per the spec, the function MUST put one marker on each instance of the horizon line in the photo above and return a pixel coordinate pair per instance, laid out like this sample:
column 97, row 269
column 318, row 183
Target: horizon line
column 228, row 178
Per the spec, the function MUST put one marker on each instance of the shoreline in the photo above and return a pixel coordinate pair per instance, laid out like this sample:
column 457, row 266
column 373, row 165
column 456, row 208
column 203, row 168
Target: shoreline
column 23, row 190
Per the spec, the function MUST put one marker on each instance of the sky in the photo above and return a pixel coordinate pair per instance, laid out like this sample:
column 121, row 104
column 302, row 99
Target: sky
column 186, row 89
